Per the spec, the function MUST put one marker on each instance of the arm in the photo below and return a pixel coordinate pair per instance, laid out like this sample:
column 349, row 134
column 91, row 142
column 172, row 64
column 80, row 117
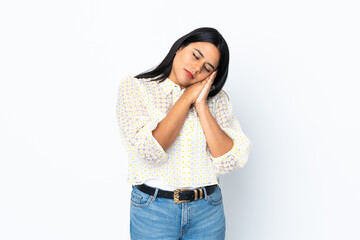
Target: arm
column 218, row 142
column 169, row 128
column 228, row 145
column 136, row 123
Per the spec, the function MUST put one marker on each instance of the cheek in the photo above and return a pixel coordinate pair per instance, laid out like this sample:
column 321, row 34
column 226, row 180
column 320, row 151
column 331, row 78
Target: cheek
column 179, row 62
column 203, row 75
column 186, row 59
column 199, row 80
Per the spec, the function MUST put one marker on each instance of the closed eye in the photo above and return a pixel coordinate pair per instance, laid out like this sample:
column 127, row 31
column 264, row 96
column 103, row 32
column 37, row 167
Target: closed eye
column 198, row 59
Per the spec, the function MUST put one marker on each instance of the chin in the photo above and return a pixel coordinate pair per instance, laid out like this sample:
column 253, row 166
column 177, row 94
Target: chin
column 184, row 84
column 184, row 81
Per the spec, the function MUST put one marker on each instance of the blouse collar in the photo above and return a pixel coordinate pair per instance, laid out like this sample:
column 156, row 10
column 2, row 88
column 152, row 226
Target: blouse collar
column 169, row 86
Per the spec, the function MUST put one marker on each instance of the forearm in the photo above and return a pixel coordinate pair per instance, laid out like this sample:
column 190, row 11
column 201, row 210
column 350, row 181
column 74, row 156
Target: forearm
column 169, row 128
column 217, row 140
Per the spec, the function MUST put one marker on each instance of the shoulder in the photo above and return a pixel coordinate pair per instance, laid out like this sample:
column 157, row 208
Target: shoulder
column 128, row 84
column 223, row 95
column 138, row 89
column 220, row 97
column 130, row 81
column 128, row 87
column 218, row 102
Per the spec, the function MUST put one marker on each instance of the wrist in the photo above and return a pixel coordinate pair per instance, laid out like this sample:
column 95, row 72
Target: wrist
column 185, row 100
column 201, row 106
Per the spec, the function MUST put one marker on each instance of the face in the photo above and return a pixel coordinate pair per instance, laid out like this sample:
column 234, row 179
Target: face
column 194, row 63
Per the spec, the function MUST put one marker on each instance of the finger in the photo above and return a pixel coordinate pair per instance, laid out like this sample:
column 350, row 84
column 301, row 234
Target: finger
column 209, row 82
column 210, row 76
column 214, row 74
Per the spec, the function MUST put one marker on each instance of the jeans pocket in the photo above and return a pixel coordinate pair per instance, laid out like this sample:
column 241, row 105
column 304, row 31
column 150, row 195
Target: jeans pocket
column 140, row 199
column 215, row 198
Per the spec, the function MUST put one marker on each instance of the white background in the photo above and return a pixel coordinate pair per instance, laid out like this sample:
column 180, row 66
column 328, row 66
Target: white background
column 293, row 83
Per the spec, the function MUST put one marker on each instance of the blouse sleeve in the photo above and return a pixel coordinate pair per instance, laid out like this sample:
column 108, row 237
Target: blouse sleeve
column 136, row 124
column 238, row 155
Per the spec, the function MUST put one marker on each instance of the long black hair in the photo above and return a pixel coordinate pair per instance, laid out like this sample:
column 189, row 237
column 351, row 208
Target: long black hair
column 203, row 34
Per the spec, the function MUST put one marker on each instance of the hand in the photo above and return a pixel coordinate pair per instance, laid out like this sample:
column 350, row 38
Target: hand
column 195, row 90
column 192, row 92
column 201, row 99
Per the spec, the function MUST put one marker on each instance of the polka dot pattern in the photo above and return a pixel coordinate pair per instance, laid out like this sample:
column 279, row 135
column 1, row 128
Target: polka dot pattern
column 142, row 104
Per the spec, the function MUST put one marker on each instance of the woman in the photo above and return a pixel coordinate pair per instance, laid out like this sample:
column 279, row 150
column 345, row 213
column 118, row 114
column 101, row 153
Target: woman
column 179, row 130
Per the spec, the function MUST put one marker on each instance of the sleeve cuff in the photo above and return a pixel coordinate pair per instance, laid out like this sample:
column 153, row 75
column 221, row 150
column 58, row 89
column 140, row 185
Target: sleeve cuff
column 225, row 155
column 236, row 157
column 158, row 154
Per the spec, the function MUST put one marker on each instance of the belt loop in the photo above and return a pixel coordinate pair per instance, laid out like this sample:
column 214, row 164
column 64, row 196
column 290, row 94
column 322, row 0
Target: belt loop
column 155, row 194
column 196, row 194
column 205, row 196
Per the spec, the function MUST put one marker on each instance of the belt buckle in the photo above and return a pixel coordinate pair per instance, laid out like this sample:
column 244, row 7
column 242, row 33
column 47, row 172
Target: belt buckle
column 176, row 196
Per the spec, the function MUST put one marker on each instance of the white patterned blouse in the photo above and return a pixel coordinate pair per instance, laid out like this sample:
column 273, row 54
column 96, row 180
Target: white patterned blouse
column 141, row 105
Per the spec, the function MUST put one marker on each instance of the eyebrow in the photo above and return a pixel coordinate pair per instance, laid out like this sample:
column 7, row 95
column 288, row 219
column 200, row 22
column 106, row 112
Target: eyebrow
column 203, row 56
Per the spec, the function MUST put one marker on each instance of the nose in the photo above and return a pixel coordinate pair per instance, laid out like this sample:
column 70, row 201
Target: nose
column 197, row 66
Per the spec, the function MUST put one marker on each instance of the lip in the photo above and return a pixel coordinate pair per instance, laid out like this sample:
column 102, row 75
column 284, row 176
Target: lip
column 189, row 74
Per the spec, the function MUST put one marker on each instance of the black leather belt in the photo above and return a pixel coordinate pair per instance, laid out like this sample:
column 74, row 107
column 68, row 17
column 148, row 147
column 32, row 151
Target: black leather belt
column 179, row 195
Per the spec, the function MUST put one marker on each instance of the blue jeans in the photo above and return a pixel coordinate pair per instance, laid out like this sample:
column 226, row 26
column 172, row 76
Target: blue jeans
column 160, row 218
